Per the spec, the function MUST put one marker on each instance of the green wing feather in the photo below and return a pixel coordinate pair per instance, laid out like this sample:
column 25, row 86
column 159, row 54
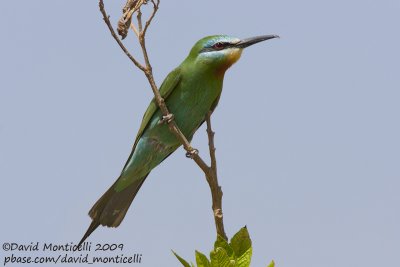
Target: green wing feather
column 168, row 85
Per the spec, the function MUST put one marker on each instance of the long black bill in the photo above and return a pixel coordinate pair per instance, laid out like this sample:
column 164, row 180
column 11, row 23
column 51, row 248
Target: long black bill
column 253, row 40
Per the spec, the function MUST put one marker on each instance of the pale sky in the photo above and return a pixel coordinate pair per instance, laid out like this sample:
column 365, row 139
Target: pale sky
column 307, row 130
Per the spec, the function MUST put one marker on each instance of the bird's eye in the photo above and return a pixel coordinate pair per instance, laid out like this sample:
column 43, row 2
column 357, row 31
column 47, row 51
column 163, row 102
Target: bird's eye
column 218, row 46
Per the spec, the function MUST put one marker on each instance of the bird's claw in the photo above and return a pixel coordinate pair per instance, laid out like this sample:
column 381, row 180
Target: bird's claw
column 190, row 154
column 167, row 119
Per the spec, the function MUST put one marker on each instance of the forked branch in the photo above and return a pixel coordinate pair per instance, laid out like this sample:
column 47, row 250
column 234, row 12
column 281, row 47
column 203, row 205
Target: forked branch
column 134, row 6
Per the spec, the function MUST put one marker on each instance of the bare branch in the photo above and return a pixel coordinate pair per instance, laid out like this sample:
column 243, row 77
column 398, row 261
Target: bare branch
column 147, row 69
column 212, row 179
column 139, row 19
column 211, row 145
column 135, row 30
column 209, row 171
column 107, row 21
column 155, row 8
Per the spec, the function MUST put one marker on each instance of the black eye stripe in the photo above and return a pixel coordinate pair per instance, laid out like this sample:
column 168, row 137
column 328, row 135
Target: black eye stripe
column 216, row 47
column 220, row 45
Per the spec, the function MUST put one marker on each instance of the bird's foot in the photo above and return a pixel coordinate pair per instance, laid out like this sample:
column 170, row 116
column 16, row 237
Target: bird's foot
column 167, row 119
column 190, row 154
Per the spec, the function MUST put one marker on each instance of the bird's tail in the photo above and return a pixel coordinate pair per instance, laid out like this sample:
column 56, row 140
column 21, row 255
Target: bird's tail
column 111, row 208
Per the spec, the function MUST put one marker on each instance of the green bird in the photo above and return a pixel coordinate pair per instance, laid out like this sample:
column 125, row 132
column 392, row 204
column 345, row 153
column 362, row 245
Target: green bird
column 190, row 91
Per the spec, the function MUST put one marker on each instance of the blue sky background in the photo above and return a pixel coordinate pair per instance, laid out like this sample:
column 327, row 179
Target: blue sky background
column 310, row 163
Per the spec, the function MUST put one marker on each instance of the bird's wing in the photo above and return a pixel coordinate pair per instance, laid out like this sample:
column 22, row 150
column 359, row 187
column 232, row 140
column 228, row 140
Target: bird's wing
column 168, row 85
column 213, row 106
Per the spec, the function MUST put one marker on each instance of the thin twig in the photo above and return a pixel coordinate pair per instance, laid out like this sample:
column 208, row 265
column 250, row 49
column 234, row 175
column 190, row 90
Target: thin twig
column 155, row 8
column 106, row 19
column 211, row 144
column 134, row 30
column 212, row 179
column 139, row 19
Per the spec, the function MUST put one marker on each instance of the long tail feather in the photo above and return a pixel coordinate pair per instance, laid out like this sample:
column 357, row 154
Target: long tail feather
column 111, row 208
column 93, row 226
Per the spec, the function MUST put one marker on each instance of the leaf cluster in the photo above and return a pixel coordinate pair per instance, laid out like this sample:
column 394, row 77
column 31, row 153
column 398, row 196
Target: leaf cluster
column 236, row 253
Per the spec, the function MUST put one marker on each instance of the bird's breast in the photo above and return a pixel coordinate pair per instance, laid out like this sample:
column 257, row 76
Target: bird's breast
column 193, row 100
column 190, row 101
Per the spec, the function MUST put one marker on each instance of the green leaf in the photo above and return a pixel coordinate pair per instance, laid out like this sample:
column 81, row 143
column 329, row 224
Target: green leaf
column 184, row 263
column 219, row 258
column 241, row 242
column 272, row 264
column 202, row 260
column 222, row 243
column 245, row 259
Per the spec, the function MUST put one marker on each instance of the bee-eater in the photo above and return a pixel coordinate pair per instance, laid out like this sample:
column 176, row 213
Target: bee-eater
column 190, row 91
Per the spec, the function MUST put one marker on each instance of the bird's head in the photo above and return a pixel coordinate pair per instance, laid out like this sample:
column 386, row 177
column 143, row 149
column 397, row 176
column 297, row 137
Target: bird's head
column 219, row 52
